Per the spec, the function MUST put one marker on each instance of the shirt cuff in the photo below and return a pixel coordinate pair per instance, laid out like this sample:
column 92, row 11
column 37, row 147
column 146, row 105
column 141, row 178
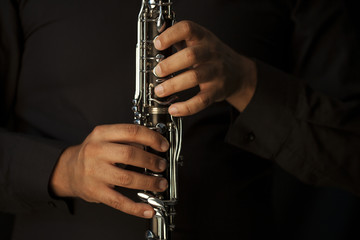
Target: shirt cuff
column 266, row 122
column 29, row 163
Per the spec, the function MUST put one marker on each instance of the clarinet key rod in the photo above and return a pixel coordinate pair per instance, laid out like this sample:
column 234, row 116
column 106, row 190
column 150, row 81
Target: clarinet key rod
column 151, row 111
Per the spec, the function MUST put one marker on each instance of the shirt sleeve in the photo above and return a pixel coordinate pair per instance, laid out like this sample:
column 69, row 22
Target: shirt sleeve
column 26, row 165
column 312, row 136
column 26, row 162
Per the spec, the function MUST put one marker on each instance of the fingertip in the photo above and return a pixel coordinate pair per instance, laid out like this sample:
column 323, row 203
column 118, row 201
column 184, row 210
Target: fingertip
column 162, row 164
column 157, row 43
column 164, row 145
column 159, row 90
column 174, row 111
column 163, row 184
column 148, row 213
column 156, row 70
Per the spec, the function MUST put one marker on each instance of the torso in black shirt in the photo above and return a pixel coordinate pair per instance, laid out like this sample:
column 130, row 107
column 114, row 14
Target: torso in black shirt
column 77, row 71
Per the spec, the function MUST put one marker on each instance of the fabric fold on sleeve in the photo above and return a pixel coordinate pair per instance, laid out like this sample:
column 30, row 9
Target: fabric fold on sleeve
column 26, row 165
column 268, row 119
column 309, row 134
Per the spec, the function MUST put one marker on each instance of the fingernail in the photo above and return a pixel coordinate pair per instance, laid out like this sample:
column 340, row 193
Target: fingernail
column 164, row 146
column 157, row 43
column 173, row 110
column 157, row 71
column 148, row 214
column 159, row 90
column 162, row 164
column 163, row 184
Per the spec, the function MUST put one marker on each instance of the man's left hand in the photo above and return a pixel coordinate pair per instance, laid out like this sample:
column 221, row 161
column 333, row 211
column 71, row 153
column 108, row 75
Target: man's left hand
column 219, row 71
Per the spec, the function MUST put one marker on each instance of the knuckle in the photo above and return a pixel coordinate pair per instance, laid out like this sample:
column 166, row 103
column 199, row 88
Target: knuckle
column 127, row 153
column 163, row 67
column 221, row 85
column 188, row 109
column 204, row 100
column 90, row 149
column 155, row 138
column 133, row 209
column 132, row 130
column 152, row 162
column 117, row 204
column 151, row 183
column 125, row 179
column 195, row 75
column 90, row 194
column 97, row 131
column 190, row 55
column 86, row 149
column 136, row 210
column 88, row 156
column 188, row 27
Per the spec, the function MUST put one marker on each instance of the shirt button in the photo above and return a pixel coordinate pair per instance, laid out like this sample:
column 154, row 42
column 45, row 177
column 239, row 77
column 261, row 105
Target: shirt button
column 251, row 137
column 52, row 204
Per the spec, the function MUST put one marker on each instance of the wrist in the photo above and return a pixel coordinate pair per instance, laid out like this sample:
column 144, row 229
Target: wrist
column 59, row 184
column 242, row 97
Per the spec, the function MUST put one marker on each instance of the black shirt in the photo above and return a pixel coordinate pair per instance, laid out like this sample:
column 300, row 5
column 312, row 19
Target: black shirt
column 68, row 66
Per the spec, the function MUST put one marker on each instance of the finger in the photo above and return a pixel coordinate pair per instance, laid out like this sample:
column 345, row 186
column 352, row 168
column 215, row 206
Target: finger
column 193, row 105
column 115, row 200
column 179, row 83
column 131, row 155
column 131, row 133
column 182, row 31
column 133, row 180
column 186, row 80
column 137, row 145
column 186, row 58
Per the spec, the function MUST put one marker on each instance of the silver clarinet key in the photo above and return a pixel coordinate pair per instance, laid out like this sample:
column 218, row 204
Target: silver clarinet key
column 151, row 111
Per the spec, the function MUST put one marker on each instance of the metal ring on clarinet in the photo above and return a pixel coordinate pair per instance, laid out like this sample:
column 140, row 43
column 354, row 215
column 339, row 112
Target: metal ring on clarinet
column 151, row 111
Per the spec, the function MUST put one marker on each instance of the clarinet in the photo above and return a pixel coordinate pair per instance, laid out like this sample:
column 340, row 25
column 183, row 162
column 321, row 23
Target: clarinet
column 151, row 111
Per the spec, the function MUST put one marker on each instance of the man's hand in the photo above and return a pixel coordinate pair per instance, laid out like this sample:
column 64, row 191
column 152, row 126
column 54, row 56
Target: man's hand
column 220, row 72
column 88, row 171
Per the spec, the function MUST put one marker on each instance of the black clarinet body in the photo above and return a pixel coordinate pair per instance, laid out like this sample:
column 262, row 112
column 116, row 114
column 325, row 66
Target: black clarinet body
column 151, row 111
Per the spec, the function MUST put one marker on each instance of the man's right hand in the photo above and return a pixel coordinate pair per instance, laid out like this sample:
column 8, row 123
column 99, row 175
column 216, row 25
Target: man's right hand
column 88, row 170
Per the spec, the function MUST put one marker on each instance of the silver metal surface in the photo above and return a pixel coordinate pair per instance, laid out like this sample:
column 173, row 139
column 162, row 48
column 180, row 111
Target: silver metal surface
column 144, row 196
column 151, row 111
column 155, row 110
column 159, row 57
column 150, row 235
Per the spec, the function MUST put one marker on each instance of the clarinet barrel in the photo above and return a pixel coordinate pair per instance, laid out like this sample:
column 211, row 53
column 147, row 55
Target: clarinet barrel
column 151, row 111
